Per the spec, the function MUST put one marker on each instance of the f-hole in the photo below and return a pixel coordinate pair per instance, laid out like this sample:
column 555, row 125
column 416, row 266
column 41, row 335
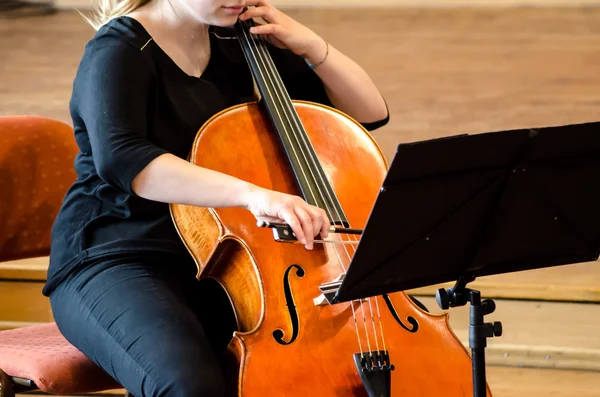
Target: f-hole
column 278, row 334
column 413, row 322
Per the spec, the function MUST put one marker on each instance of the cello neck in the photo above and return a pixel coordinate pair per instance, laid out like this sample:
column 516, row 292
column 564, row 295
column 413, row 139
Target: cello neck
column 308, row 171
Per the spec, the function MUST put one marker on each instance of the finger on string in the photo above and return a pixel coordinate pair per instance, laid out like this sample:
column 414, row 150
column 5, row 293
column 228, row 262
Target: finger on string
column 318, row 220
column 259, row 12
column 266, row 29
column 326, row 224
column 316, row 226
column 307, row 226
column 257, row 3
column 293, row 222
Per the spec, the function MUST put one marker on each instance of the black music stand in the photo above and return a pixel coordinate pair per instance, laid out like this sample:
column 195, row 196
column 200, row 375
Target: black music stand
column 462, row 207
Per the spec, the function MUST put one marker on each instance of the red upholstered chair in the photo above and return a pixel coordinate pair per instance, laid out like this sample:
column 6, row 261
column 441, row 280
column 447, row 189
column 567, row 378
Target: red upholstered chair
column 36, row 169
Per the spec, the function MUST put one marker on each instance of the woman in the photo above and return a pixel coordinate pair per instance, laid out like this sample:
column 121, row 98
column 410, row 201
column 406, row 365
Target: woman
column 121, row 283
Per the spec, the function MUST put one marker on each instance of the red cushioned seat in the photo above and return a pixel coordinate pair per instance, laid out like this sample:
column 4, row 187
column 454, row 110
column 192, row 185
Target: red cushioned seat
column 36, row 158
column 40, row 353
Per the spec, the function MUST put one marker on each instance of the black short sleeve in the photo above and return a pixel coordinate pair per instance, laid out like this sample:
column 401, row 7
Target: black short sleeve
column 111, row 92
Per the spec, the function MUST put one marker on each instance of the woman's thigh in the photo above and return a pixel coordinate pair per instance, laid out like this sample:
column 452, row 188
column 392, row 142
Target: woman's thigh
column 141, row 322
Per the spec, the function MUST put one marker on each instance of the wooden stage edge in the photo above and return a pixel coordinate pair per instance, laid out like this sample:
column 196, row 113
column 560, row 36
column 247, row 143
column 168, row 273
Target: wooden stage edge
column 570, row 283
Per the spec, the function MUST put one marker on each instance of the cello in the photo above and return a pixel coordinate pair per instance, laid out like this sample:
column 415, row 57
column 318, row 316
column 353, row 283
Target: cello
column 290, row 340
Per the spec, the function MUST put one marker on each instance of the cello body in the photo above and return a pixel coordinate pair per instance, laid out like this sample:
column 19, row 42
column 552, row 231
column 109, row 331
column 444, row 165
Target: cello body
column 288, row 343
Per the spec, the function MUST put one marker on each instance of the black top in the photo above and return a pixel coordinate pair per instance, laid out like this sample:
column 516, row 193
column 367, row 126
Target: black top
column 131, row 103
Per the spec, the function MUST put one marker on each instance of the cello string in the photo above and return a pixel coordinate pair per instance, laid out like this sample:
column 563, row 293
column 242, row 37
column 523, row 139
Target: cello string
column 270, row 74
column 319, row 169
column 316, row 165
column 260, row 72
column 355, row 242
column 335, row 242
column 253, row 42
column 290, row 113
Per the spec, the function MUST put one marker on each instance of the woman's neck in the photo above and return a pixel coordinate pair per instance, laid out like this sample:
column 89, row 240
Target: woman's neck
column 182, row 38
column 173, row 24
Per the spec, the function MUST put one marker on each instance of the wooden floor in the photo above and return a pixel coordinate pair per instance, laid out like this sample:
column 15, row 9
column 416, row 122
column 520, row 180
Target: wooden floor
column 443, row 72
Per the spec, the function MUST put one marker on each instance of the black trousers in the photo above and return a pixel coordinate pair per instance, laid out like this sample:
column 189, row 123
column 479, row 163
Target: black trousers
column 149, row 323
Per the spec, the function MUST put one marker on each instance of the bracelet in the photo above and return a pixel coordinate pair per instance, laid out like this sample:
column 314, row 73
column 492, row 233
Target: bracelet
column 313, row 67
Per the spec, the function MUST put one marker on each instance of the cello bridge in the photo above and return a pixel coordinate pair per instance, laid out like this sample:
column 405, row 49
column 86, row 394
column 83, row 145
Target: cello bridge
column 328, row 291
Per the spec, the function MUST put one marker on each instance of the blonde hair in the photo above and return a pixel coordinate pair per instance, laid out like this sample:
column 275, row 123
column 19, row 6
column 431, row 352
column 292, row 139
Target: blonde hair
column 109, row 9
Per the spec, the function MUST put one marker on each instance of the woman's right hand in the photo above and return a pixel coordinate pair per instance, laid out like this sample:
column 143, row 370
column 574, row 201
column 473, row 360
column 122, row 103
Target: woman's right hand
column 305, row 220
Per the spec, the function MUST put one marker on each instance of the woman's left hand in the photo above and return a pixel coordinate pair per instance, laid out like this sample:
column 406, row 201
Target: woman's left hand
column 283, row 31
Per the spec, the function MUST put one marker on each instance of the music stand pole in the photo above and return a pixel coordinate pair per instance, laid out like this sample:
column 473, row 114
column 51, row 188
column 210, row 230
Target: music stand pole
column 479, row 331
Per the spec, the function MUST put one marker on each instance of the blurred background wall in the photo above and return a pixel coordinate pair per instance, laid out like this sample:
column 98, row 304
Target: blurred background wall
column 398, row 3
